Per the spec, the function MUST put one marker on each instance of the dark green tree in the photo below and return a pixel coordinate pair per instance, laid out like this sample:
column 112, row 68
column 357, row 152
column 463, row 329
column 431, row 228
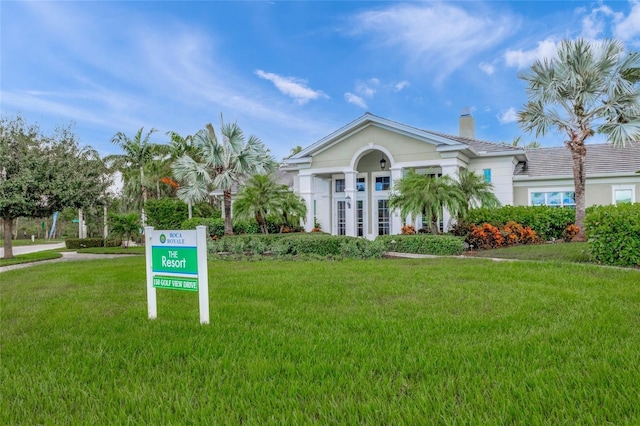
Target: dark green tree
column 40, row 174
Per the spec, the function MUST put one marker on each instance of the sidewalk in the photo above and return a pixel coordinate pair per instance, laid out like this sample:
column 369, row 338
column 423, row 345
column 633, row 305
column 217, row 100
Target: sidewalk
column 66, row 256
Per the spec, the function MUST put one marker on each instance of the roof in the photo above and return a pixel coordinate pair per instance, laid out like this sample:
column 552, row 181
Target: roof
column 601, row 159
column 444, row 142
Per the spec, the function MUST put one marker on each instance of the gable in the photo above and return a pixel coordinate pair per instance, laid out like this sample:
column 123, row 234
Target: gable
column 401, row 147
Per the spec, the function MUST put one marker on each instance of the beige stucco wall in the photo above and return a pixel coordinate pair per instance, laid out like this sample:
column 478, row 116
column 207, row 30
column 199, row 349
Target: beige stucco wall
column 501, row 175
column 401, row 147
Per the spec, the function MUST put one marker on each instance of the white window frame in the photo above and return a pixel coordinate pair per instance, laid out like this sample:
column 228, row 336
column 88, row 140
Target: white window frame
column 551, row 189
column 615, row 188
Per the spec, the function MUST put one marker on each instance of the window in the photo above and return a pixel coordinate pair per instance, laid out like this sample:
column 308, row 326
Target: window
column 360, row 184
column 339, row 185
column 360, row 216
column 342, row 218
column 624, row 194
column 487, row 175
column 554, row 199
column 383, row 218
column 383, row 183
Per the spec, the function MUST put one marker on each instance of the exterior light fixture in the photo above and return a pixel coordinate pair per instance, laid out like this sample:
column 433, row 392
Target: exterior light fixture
column 348, row 200
column 383, row 163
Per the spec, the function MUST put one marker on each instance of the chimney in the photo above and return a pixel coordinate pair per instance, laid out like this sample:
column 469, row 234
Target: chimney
column 467, row 124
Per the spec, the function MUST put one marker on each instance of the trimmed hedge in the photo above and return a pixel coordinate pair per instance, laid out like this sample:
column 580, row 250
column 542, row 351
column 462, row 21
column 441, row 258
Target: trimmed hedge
column 614, row 234
column 80, row 243
column 423, row 244
column 166, row 213
column 215, row 226
column 295, row 244
column 548, row 222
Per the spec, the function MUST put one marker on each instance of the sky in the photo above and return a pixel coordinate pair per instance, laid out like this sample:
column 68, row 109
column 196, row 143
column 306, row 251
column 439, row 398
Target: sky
column 289, row 72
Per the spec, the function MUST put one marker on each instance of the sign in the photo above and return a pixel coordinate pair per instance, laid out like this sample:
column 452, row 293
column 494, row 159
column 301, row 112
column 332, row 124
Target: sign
column 177, row 260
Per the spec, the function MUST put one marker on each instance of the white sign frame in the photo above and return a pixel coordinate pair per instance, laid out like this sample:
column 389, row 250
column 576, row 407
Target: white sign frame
column 191, row 237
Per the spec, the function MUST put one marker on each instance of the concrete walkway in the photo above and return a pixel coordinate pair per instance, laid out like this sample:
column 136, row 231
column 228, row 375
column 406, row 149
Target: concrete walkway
column 66, row 256
column 33, row 248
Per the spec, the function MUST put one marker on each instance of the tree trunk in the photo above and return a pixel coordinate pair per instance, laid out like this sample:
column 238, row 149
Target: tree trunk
column 105, row 229
column 144, row 197
column 8, row 248
column 190, row 209
column 579, row 158
column 228, row 228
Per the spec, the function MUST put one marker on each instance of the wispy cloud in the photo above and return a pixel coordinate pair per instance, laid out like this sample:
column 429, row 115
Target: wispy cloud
column 401, row 85
column 355, row 99
column 508, row 116
column 293, row 87
column 367, row 88
column 523, row 58
column 488, row 69
column 628, row 28
column 441, row 37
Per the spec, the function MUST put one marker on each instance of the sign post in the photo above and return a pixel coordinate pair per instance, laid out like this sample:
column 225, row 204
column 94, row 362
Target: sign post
column 177, row 260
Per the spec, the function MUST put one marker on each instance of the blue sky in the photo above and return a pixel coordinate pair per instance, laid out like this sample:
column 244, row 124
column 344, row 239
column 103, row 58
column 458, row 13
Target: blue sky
column 288, row 72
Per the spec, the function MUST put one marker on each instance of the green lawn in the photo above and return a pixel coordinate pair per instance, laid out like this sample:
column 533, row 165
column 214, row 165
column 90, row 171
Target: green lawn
column 411, row 341
column 558, row 252
column 31, row 257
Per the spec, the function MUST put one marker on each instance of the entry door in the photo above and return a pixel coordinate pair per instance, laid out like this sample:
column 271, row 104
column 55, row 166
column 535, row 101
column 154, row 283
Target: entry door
column 360, row 217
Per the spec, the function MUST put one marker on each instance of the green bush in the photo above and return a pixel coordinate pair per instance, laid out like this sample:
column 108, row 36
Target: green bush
column 423, row 244
column 79, row 243
column 215, row 226
column 548, row 222
column 614, row 234
column 166, row 213
column 316, row 244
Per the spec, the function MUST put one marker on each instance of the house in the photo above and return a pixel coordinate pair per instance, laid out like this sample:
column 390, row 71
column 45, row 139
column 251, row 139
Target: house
column 345, row 178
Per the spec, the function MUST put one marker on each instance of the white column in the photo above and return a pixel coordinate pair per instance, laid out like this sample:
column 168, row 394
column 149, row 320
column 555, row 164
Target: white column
column 306, row 192
column 395, row 219
column 350, row 192
column 452, row 172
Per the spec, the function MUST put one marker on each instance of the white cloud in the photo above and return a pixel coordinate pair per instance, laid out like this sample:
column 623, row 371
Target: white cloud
column 355, row 99
column 487, row 68
column 293, row 87
column 440, row 37
column 367, row 88
column 401, row 85
column 523, row 58
column 628, row 28
column 508, row 116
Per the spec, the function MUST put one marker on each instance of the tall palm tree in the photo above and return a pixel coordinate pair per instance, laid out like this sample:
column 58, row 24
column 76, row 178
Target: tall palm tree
column 589, row 88
column 222, row 164
column 476, row 192
column 179, row 146
column 137, row 153
column 419, row 194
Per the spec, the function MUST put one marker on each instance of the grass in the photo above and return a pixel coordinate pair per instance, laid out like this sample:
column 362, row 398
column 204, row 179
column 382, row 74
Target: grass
column 558, row 252
column 30, row 257
column 113, row 250
column 412, row 341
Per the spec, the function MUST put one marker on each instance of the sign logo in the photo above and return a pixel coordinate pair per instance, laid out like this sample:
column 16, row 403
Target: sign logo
column 163, row 238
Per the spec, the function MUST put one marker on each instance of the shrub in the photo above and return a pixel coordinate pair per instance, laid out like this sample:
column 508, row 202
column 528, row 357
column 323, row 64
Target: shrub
column 614, row 234
column 215, row 226
column 166, row 213
column 548, row 222
column 361, row 248
column 80, row 243
column 570, row 232
column 408, row 230
column 485, row 236
column 423, row 244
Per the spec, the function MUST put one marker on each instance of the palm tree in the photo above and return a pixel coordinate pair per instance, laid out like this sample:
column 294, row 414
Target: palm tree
column 178, row 147
column 222, row 164
column 589, row 88
column 476, row 192
column 124, row 225
column 259, row 197
column 137, row 153
column 420, row 194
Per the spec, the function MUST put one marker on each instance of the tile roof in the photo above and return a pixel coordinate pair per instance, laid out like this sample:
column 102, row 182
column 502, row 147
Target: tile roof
column 479, row 145
column 601, row 159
